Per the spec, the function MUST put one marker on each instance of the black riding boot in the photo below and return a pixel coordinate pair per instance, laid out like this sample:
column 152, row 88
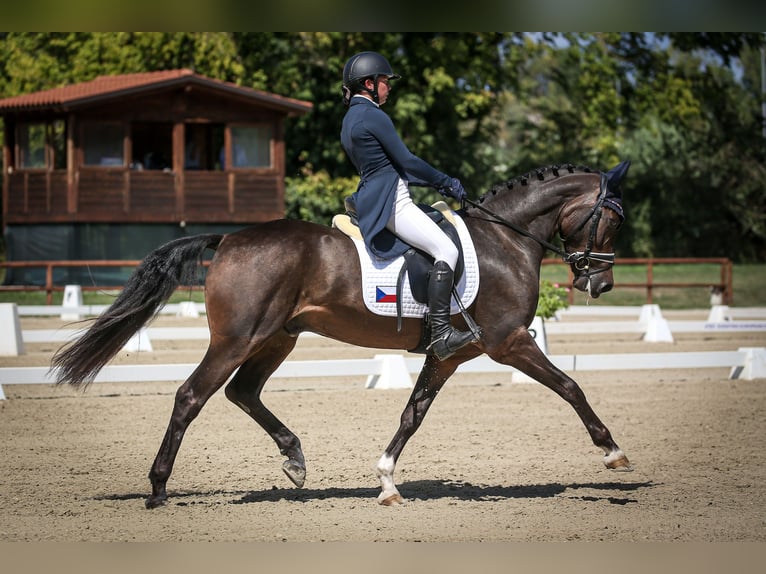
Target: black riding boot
column 445, row 339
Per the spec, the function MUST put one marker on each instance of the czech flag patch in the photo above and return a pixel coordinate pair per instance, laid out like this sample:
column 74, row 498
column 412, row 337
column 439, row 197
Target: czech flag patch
column 385, row 294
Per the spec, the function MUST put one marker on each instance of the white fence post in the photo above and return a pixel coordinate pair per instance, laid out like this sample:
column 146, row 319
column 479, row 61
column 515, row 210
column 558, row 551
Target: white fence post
column 139, row 342
column 11, row 341
column 754, row 367
column 187, row 309
column 393, row 374
column 72, row 299
column 719, row 314
column 537, row 330
column 657, row 328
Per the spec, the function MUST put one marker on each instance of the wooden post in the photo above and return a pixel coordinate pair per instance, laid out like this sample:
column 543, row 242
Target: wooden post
column 49, row 283
column 179, row 179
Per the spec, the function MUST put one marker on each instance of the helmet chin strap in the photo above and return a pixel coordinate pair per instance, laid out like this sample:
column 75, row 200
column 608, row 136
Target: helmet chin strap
column 374, row 91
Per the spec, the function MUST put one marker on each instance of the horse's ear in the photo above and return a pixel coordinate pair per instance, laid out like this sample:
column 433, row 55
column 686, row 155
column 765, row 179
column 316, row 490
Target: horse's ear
column 613, row 197
column 615, row 175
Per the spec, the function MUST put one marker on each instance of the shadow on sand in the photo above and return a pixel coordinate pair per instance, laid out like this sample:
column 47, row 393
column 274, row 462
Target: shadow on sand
column 613, row 492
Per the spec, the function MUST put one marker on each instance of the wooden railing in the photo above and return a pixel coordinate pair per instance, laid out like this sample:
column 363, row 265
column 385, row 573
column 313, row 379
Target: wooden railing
column 50, row 287
column 725, row 285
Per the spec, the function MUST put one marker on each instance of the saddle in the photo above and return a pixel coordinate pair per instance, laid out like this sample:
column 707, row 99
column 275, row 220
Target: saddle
column 417, row 264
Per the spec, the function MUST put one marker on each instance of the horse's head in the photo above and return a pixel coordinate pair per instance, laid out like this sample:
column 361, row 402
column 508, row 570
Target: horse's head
column 589, row 228
column 587, row 221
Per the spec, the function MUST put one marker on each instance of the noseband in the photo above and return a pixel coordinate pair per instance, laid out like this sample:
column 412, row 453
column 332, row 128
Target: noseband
column 580, row 260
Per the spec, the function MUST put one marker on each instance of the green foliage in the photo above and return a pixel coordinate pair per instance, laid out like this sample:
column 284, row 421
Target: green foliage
column 37, row 61
column 316, row 196
column 442, row 106
column 671, row 105
column 551, row 299
column 489, row 106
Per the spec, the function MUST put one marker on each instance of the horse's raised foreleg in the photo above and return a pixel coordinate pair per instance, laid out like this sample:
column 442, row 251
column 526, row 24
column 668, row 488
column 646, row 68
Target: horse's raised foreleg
column 430, row 381
column 206, row 379
column 244, row 390
column 524, row 354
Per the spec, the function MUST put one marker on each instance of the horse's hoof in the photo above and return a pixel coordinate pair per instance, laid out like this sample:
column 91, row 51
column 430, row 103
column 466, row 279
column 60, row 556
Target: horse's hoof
column 155, row 502
column 394, row 499
column 295, row 471
column 618, row 461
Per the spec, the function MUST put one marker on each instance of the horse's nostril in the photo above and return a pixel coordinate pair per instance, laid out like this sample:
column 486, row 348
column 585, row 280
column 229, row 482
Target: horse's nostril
column 606, row 287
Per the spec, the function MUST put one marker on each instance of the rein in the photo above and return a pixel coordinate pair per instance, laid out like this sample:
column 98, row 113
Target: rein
column 580, row 260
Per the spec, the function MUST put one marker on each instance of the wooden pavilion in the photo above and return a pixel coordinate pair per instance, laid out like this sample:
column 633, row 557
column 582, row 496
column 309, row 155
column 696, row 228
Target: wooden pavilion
column 110, row 168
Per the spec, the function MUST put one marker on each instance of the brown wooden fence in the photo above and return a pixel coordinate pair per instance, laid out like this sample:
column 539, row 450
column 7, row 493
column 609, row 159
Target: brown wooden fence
column 725, row 284
column 50, row 287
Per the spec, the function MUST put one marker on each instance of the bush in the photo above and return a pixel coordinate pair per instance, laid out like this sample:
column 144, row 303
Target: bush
column 551, row 299
column 316, row 196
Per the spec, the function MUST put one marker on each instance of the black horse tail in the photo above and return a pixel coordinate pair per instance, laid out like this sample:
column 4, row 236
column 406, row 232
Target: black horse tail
column 144, row 294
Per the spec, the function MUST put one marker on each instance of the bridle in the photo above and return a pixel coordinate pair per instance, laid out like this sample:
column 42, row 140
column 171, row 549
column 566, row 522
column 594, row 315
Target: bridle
column 579, row 260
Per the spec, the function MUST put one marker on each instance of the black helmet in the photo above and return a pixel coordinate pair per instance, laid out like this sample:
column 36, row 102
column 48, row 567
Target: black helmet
column 361, row 66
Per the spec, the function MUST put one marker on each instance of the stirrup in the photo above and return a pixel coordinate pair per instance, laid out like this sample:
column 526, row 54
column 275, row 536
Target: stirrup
column 474, row 328
column 441, row 348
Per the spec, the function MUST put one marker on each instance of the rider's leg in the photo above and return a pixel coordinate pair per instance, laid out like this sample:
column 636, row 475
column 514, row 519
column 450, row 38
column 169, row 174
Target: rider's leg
column 408, row 222
column 416, row 228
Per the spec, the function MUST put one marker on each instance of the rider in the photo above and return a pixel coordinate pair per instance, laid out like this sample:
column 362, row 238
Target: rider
column 388, row 219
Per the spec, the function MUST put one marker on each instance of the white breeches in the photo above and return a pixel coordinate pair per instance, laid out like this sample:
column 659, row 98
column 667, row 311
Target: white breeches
column 413, row 226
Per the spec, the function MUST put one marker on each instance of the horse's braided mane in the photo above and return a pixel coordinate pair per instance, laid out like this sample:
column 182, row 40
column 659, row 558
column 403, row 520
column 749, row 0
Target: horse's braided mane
column 535, row 175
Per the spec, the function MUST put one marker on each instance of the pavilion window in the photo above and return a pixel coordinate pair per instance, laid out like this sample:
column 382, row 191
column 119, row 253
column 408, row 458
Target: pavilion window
column 251, row 146
column 103, row 144
column 41, row 145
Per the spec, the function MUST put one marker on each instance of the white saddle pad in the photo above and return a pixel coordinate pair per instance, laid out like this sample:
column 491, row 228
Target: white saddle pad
column 379, row 278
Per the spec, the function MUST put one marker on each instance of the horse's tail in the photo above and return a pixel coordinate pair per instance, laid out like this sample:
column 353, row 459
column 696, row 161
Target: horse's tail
column 146, row 291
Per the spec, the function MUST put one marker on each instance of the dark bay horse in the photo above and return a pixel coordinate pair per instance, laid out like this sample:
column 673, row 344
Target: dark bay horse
column 271, row 282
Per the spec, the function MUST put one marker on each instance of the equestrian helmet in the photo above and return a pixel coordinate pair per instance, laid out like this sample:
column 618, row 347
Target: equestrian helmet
column 366, row 65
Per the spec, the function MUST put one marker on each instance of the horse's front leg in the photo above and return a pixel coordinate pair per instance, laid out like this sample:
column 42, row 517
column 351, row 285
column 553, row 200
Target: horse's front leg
column 430, row 381
column 522, row 352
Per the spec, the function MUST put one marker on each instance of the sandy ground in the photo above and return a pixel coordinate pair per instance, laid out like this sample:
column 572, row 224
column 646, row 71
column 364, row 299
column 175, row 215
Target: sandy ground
column 493, row 461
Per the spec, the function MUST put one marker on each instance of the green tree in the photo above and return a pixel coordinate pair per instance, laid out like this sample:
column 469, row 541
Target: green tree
column 443, row 106
column 684, row 107
column 671, row 104
column 699, row 176
column 37, row 61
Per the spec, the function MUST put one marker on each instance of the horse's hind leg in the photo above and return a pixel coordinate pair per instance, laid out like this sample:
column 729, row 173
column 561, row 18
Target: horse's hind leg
column 244, row 390
column 207, row 378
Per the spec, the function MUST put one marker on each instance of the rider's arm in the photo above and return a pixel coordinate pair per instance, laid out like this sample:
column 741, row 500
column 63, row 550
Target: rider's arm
column 417, row 171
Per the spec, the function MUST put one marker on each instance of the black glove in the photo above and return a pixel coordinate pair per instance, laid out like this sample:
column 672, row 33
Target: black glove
column 454, row 190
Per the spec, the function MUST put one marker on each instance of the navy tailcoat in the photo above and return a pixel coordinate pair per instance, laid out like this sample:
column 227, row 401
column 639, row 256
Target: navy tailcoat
column 369, row 138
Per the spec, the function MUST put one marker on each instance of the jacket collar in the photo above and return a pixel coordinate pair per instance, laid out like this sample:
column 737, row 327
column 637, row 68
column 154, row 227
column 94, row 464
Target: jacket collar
column 358, row 99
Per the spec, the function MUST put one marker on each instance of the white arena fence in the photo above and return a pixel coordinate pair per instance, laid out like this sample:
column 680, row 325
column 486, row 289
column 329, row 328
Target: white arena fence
column 648, row 321
column 394, row 371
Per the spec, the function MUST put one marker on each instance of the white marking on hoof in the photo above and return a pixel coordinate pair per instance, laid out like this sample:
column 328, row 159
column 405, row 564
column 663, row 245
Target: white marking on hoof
column 389, row 495
column 386, row 499
column 616, row 460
